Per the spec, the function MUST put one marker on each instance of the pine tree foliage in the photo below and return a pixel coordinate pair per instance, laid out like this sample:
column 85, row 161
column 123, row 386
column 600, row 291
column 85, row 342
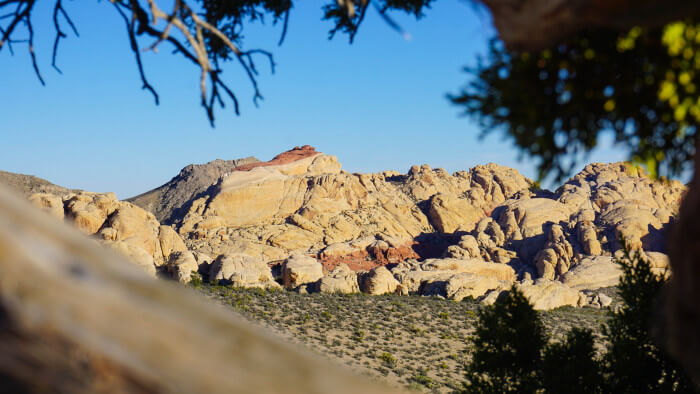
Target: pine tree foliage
column 633, row 362
column 512, row 352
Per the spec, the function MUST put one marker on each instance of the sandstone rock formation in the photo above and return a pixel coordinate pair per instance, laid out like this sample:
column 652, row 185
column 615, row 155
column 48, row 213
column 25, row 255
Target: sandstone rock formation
column 299, row 270
column 77, row 318
column 309, row 205
column 547, row 294
column 379, row 281
column 341, row 280
column 167, row 201
column 592, row 273
column 120, row 225
column 453, row 278
column 182, row 265
column 471, row 233
column 241, row 270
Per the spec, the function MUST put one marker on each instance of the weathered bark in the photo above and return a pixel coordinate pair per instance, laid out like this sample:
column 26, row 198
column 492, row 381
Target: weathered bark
column 74, row 317
column 682, row 304
column 537, row 24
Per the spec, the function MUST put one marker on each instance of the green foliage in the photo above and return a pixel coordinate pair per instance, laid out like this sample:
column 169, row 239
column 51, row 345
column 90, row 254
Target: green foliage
column 358, row 335
column 511, row 353
column 633, row 362
column 571, row 366
column 507, row 348
column 349, row 22
column 229, row 18
column 423, row 379
column 554, row 104
column 388, row 359
column 195, row 280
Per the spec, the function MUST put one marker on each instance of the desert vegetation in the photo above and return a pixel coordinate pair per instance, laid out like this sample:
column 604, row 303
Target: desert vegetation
column 438, row 345
column 414, row 341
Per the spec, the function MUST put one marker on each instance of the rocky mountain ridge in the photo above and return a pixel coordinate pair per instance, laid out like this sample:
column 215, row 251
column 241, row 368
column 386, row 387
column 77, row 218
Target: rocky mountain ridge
column 300, row 222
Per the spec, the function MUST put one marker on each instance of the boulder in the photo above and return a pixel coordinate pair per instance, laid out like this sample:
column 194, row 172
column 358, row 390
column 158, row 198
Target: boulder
column 459, row 286
column 534, row 214
column 556, row 257
column 51, row 203
column 593, row 272
column 341, row 280
column 88, row 211
column 242, row 270
column 181, row 266
column 299, row 269
column 379, row 281
column 139, row 227
column 170, row 241
column 473, row 266
column 135, row 254
column 588, row 238
column 547, row 294
column 448, row 213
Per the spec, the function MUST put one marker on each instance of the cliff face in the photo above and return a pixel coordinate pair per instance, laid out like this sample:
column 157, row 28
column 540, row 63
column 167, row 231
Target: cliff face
column 166, row 201
column 471, row 233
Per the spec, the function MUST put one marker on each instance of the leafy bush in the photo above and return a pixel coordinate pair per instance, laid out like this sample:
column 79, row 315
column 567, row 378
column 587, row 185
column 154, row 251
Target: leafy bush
column 388, row 359
column 512, row 353
column 195, row 280
column 633, row 362
column 507, row 347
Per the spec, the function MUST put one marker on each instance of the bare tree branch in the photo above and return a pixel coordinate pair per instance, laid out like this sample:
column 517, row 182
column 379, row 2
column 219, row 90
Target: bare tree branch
column 137, row 53
column 191, row 35
column 284, row 28
column 58, row 8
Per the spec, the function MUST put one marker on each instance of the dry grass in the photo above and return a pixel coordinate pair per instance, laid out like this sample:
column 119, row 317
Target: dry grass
column 418, row 342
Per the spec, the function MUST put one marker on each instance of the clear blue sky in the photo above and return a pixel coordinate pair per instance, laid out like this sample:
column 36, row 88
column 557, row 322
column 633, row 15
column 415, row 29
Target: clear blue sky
column 377, row 104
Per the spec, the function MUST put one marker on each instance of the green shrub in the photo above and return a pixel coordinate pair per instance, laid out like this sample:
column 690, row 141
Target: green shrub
column 195, row 280
column 507, row 347
column 512, row 354
column 571, row 366
column 388, row 359
column 633, row 362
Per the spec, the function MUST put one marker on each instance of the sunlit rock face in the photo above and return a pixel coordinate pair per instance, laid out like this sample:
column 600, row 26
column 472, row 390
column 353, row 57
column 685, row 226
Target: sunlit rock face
column 301, row 222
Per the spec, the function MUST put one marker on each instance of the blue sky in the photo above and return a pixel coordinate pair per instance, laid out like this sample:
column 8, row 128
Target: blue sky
column 377, row 104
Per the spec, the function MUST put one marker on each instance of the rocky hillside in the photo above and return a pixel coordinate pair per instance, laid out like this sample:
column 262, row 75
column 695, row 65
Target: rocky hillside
column 166, row 202
column 301, row 222
column 29, row 184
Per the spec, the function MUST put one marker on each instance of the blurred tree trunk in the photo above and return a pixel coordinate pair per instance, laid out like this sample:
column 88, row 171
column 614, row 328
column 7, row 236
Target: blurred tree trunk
column 682, row 305
column 538, row 24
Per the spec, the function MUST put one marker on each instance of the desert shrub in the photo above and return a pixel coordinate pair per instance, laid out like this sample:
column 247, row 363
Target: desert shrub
column 195, row 280
column 388, row 359
column 512, row 353
column 507, row 348
column 633, row 362
column 571, row 366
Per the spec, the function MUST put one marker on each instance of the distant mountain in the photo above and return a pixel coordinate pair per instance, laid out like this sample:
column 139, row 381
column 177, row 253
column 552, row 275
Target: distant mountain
column 167, row 201
column 29, row 184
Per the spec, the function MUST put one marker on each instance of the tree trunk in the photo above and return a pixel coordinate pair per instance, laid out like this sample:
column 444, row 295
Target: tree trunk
column 682, row 305
column 537, row 24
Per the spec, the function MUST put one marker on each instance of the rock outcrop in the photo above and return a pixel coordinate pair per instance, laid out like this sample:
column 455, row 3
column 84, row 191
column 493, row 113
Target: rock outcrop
column 121, row 225
column 241, row 270
column 341, row 280
column 300, row 270
column 379, row 281
column 30, row 184
column 547, row 294
column 169, row 200
column 468, row 234
column 592, row 273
